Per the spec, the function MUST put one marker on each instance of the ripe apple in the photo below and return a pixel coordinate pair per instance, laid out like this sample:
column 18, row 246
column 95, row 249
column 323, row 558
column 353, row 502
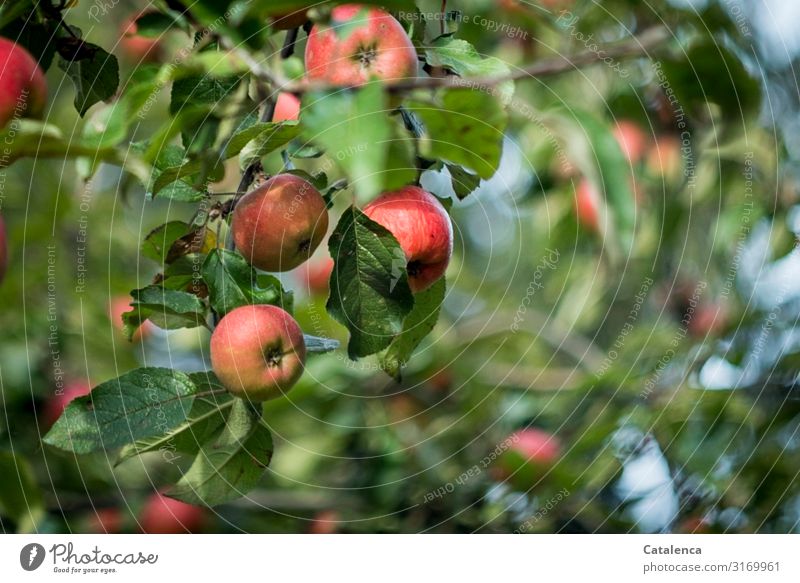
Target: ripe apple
column 289, row 20
column 324, row 522
column 422, row 227
column 138, row 48
column 287, row 107
column 664, row 158
column 164, row 515
column 258, row 352
column 3, row 249
column 528, row 455
column 708, row 320
column 280, row 224
column 587, row 205
column 104, row 521
column 317, row 274
column 361, row 44
column 632, row 140
column 58, row 402
column 23, row 88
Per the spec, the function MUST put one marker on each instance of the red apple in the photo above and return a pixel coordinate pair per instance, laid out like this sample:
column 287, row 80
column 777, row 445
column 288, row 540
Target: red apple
column 164, row 515
column 104, row 521
column 708, row 320
column 280, row 224
column 422, row 227
column 665, row 158
column 138, row 48
column 258, row 352
column 23, row 88
column 632, row 140
column 324, row 522
column 3, row 249
column 526, row 456
column 317, row 274
column 361, row 44
column 587, row 205
column 287, row 107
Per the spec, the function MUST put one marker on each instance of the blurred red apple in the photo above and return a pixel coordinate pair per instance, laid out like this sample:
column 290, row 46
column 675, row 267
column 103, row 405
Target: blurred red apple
column 316, row 274
column 665, row 157
column 104, row 521
column 632, row 140
column 528, row 455
column 118, row 306
column 164, row 515
column 138, row 48
column 23, row 88
column 324, row 522
column 287, row 107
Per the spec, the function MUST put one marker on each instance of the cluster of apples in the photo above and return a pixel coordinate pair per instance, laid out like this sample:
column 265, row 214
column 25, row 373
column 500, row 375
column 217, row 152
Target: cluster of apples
column 23, row 93
column 258, row 352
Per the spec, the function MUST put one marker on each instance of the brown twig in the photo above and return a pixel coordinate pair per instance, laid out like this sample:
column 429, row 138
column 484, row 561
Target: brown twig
column 635, row 47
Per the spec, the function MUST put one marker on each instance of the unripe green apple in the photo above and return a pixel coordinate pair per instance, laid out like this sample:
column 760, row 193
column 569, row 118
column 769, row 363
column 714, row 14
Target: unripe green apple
column 278, row 225
column 362, row 43
column 23, row 88
column 258, row 352
column 422, row 227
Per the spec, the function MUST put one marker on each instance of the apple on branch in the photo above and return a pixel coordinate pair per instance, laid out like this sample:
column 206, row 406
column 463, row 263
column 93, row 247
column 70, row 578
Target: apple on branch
column 362, row 43
column 280, row 224
column 422, row 227
column 23, row 88
column 258, row 352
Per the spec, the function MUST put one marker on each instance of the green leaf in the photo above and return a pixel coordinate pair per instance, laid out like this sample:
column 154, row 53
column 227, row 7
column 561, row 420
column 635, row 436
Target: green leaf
column 158, row 242
column 95, row 76
column 195, row 90
column 204, row 420
column 355, row 130
column 417, row 325
column 464, row 182
column 232, row 464
column 20, row 496
column 139, row 404
column 232, row 283
column 461, row 58
column 154, row 24
column 196, row 172
column 271, row 138
column 369, row 285
column 169, row 158
column 465, row 127
column 166, row 308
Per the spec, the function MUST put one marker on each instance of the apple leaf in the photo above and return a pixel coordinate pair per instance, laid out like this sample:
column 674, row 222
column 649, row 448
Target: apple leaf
column 369, row 285
column 271, row 137
column 354, row 129
column 94, row 73
column 230, row 464
column 464, row 182
column 139, row 404
column 204, row 420
column 158, row 242
column 166, row 308
column 461, row 58
column 232, row 283
column 417, row 325
column 465, row 127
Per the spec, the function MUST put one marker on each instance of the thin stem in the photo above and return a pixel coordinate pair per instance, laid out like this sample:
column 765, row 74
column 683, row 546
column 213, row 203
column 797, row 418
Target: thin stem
column 444, row 12
column 636, row 47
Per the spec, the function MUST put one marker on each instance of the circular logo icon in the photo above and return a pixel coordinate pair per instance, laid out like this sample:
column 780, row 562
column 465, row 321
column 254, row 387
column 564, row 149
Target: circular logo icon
column 31, row 556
